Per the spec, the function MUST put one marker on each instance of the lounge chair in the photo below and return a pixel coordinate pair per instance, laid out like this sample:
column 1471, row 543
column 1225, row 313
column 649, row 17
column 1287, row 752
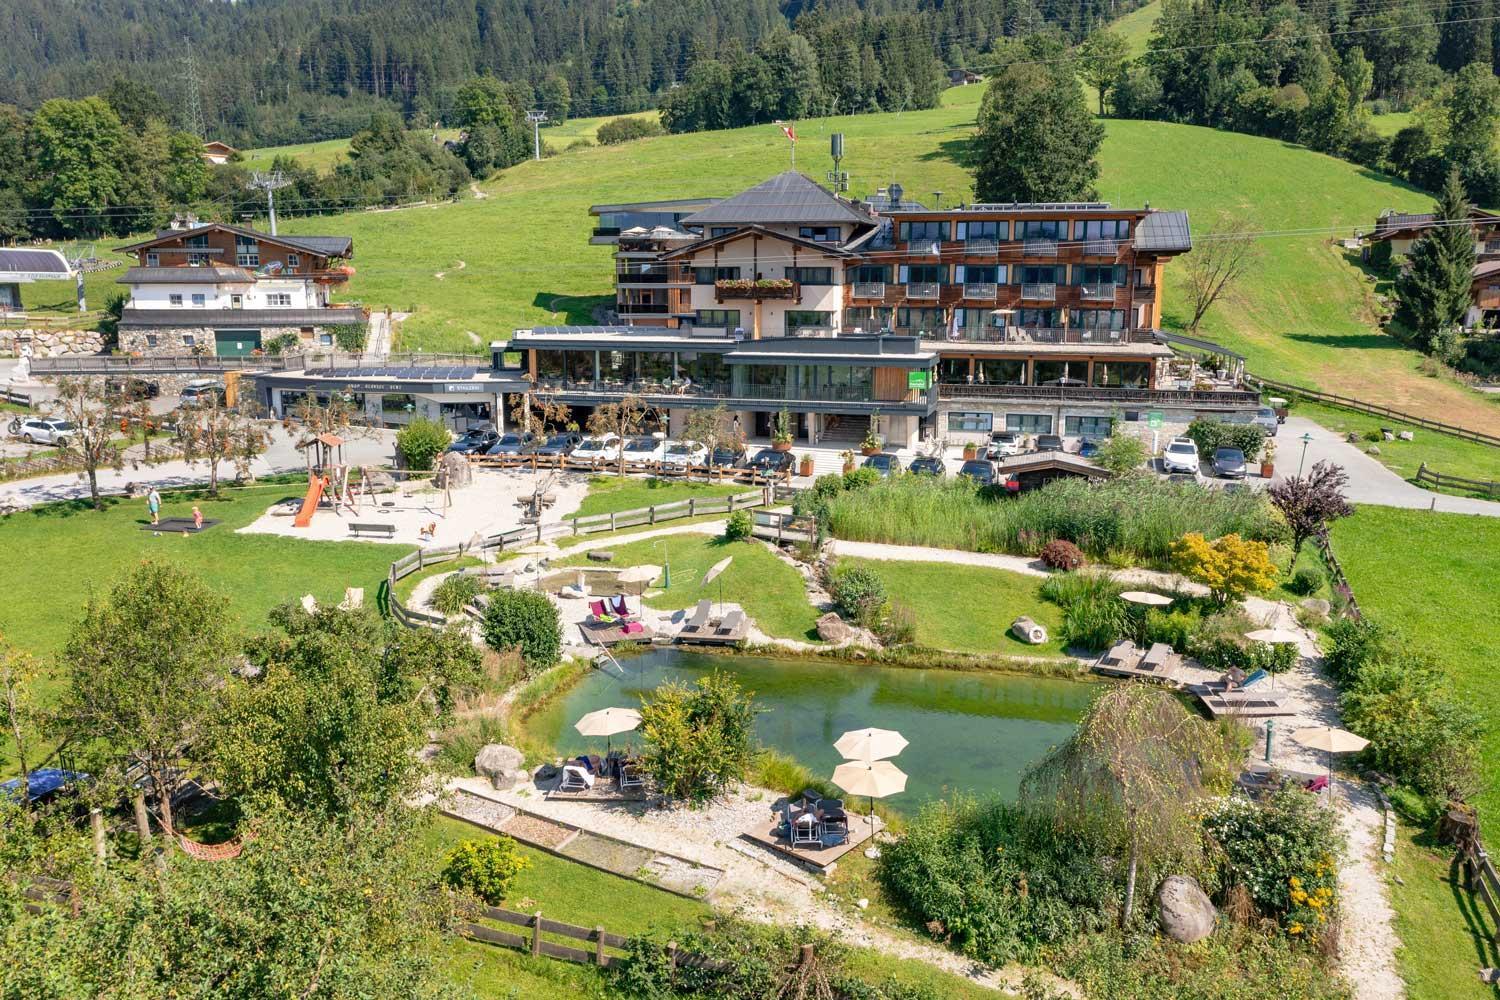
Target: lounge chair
column 576, row 779
column 600, row 614
column 1121, row 653
column 730, row 625
column 1255, row 678
column 1157, row 657
column 699, row 617
column 806, row 830
column 836, row 827
column 618, row 606
column 631, row 775
column 1318, row 784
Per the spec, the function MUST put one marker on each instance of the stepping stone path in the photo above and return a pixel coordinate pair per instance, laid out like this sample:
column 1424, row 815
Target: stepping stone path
column 643, row 864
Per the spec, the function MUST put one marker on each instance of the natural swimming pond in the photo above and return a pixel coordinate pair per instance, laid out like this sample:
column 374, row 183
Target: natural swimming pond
column 969, row 731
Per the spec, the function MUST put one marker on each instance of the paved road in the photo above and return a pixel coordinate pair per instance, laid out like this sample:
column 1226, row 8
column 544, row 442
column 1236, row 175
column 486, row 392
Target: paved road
column 1369, row 481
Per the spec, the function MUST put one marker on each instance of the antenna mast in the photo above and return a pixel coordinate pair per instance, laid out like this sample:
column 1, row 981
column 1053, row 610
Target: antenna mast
column 269, row 182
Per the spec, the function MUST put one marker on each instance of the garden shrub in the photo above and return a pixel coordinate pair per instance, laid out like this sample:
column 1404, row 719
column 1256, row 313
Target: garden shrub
column 1121, row 453
column 1352, row 644
column 454, row 593
column 1211, row 435
column 1284, row 851
column 1173, row 627
column 1229, row 566
column 1001, row 883
column 1061, row 554
column 860, row 479
column 1305, row 580
column 1219, row 642
column 618, row 130
column 1093, row 614
column 899, row 626
column 1420, row 733
column 524, row 620
column 698, row 740
column 858, row 593
column 738, row 527
column 485, row 867
column 421, row 441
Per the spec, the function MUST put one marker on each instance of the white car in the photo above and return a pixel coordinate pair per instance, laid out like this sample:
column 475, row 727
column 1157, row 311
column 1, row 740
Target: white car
column 37, row 430
column 684, row 455
column 1004, row 444
column 597, row 448
column 1181, row 456
column 645, row 449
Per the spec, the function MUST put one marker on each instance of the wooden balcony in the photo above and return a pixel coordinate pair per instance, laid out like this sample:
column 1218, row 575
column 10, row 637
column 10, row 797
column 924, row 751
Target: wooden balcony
column 732, row 289
column 1039, row 292
column 1098, row 293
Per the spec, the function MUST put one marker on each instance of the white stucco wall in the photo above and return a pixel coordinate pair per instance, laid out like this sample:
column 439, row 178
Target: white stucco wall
column 304, row 295
column 771, row 259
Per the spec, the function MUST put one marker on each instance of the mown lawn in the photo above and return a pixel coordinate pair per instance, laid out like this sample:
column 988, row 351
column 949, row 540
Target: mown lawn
column 1444, row 932
column 968, row 609
column 1442, row 452
column 612, row 494
column 770, row 591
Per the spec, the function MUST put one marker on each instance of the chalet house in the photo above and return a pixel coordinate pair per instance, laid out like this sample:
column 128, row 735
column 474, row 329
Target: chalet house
column 1402, row 230
column 218, row 152
column 963, row 77
column 227, row 290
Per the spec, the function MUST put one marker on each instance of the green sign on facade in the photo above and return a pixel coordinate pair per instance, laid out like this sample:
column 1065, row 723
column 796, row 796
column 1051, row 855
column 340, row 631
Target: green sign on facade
column 918, row 380
column 1154, row 420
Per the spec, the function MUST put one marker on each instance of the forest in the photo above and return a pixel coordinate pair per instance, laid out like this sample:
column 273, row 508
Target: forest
column 275, row 71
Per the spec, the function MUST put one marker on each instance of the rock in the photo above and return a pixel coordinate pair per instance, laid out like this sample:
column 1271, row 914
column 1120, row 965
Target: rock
column 454, row 471
column 499, row 763
column 832, row 628
column 1316, row 606
column 863, row 903
column 1406, row 436
column 1352, row 437
column 1373, row 450
column 1184, row 910
column 601, row 555
column 1028, row 630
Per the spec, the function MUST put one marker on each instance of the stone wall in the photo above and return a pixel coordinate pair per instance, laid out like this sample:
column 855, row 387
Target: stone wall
column 198, row 340
column 51, row 343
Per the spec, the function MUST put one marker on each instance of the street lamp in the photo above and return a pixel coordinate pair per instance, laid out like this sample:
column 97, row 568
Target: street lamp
column 666, row 566
column 1306, row 440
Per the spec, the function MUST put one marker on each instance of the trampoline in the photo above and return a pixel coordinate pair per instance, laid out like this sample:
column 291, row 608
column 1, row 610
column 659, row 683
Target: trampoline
column 177, row 525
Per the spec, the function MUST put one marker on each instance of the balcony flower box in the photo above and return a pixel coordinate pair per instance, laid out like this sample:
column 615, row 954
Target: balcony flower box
column 756, row 288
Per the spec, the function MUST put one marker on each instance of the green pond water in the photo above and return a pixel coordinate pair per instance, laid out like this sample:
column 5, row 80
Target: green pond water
column 969, row 732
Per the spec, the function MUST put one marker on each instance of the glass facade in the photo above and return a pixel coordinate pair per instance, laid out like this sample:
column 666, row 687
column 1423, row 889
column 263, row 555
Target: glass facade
column 923, row 231
column 1089, row 427
column 1122, row 374
column 1059, row 372
column 970, row 423
column 729, row 319
column 1000, row 371
column 1029, row 423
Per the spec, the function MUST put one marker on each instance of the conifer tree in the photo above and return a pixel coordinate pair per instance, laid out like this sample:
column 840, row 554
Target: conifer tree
column 1434, row 289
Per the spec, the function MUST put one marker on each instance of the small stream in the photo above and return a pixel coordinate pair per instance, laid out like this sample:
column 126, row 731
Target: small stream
column 969, row 731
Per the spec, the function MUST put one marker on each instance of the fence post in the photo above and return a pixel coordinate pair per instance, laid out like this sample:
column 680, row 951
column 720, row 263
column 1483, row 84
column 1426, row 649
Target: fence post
column 142, row 819
column 599, row 945
column 672, row 961
column 536, row 933
column 96, row 824
column 693, row 505
column 611, row 520
column 651, row 514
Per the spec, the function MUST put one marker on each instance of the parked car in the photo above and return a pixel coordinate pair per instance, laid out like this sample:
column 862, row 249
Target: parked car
column 927, row 466
column 475, row 442
column 1088, row 448
column 645, row 449
column 1229, row 463
column 591, row 449
column 684, row 455
column 728, row 457
column 559, row 445
column 981, row 470
column 770, row 462
column 1265, row 418
column 513, row 443
column 131, row 388
column 1048, row 442
column 39, row 430
column 1181, row 456
column 885, row 463
column 1003, row 444
column 201, row 392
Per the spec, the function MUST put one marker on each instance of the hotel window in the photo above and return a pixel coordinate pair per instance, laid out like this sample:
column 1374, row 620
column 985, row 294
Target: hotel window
column 1045, row 319
column 953, row 371
column 1122, row 374
column 199, row 300
column 708, row 275
column 1043, row 275
column 197, row 259
column 1142, row 277
column 199, row 242
column 970, row 422
column 174, row 299
column 983, row 231
column 1098, row 319
column 811, row 275
column 1101, row 229
column 153, row 259
column 188, row 340
column 1029, row 423
column 871, row 273
column 729, row 319
column 246, row 252
column 798, row 319
column 279, row 300
column 820, row 234
column 915, row 274
column 979, row 274
column 150, row 340
column 916, row 231
column 1089, row 427
column 1000, row 371
column 908, row 318
column 1042, row 229
column 721, row 231
column 293, row 261
column 1090, row 274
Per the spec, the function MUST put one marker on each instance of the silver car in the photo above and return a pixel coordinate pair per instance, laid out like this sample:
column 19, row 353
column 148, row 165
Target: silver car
column 1181, row 455
column 1229, row 463
column 1265, row 419
column 38, row 430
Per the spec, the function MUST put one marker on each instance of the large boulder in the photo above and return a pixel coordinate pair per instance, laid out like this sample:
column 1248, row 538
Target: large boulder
column 454, row 471
column 1316, row 606
column 832, row 628
column 1184, row 910
column 501, row 764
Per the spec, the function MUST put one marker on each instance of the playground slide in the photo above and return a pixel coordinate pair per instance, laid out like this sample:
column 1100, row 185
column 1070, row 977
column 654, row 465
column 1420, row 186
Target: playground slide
column 310, row 502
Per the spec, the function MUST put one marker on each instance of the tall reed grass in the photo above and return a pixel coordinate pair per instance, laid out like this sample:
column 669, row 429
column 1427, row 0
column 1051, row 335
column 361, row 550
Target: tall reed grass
column 1135, row 517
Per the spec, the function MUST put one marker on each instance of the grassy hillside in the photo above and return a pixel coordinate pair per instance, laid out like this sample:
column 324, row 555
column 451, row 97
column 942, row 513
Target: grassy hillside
column 1136, row 26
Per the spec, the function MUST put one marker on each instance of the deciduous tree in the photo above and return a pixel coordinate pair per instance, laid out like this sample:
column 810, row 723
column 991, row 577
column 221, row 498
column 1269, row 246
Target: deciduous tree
column 1101, row 61
column 213, row 433
column 85, row 404
column 1219, row 261
column 1310, row 503
column 1229, row 566
column 624, row 419
column 23, row 716
column 1036, row 139
column 698, row 740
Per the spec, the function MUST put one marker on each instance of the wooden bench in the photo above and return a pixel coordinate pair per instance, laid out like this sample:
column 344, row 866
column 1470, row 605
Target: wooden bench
column 384, row 530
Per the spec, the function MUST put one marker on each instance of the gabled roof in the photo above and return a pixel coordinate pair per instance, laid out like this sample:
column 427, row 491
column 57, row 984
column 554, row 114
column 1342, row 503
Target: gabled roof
column 321, row 246
column 185, row 276
column 829, row 249
column 1391, row 221
column 1164, row 232
column 1485, row 269
column 787, row 199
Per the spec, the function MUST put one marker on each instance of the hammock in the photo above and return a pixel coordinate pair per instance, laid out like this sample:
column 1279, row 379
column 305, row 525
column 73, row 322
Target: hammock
column 227, row 851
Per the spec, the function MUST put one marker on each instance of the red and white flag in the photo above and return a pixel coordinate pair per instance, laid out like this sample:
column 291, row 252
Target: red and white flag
column 790, row 131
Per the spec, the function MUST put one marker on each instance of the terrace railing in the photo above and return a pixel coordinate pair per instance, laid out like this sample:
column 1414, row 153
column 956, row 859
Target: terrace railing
column 922, row 289
column 986, row 247
column 1039, row 248
column 983, row 290
column 869, row 290
column 1101, row 248
column 1039, row 291
column 1096, row 394
column 1098, row 293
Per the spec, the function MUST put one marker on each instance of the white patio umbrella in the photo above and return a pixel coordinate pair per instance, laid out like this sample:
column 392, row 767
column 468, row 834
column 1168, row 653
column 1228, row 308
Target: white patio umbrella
column 1275, row 637
column 641, row 575
column 608, row 721
column 1146, row 598
column 873, row 778
column 714, row 572
column 870, row 744
column 1330, row 741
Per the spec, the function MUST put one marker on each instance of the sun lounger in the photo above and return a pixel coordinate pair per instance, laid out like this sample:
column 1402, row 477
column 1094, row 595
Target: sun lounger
column 1121, row 654
column 618, row 606
column 576, row 778
column 700, row 615
column 806, row 830
column 1157, row 657
column 730, row 625
column 631, row 775
column 1254, row 679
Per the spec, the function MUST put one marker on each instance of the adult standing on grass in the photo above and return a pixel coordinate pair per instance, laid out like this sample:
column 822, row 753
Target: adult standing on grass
column 153, row 504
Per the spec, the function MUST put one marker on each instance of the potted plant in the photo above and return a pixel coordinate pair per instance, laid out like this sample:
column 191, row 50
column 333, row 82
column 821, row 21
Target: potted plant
column 1268, row 460
column 971, row 451
column 805, row 466
column 848, row 457
column 871, row 444
column 781, row 432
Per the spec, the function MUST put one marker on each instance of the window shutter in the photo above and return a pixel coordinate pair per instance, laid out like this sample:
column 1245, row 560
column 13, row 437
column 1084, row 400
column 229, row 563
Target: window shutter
column 1119, row 275
column 903, row 272
column 958, row 274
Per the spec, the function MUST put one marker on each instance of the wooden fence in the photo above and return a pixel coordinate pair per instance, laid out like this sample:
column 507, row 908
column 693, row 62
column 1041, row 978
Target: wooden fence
column 602, row 949
column 663, row 512
column 1488, row 487
column 1376, row 410
column 18, row 398
column 716, row 473
column 1339, row 581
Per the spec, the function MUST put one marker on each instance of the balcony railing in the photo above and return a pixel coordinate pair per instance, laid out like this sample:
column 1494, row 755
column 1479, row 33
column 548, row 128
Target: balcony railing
column 1098, row 293
column 869, row 289
column 643, row 308
column 986, row 290
column 1042, row 335
column 982, row 246
column 1101, row 248
column 1143, row 293
column 922, row 289
column 756, row 288
column 1039, row 248
column 1039, row 292
column 1096, row 394
column 724, row 390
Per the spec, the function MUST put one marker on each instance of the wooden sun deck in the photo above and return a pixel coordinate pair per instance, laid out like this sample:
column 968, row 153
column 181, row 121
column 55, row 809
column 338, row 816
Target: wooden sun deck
column 613, row 635
column 1238, row 704
column 821, row 860
column 1134, row 665
column 714, row 633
